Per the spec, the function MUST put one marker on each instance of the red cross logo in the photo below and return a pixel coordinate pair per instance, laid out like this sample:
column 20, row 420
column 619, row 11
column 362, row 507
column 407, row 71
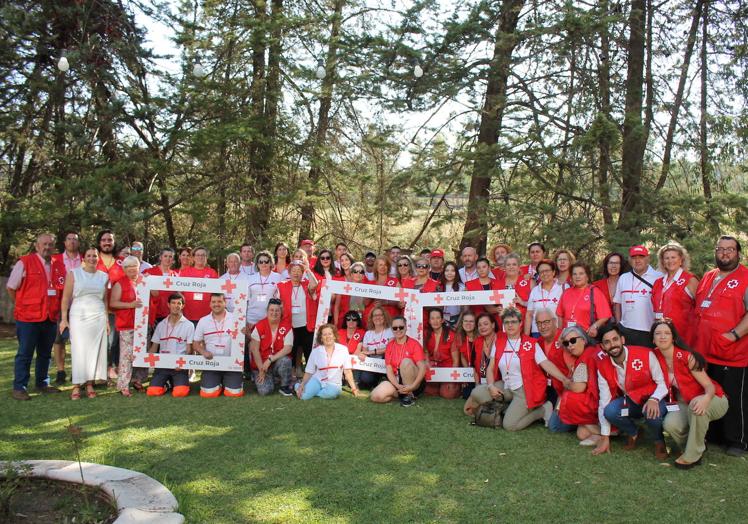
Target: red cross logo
column 527, row 346
column 228, row 286
column 167, row 283
column 643, row 291
column 145, row 311
column 679, row 355
column 732, row 284
column 281, row 330
column 401, row 295
column 430, row 374
column 180, row 362
column 242, row 296
column 455, row 375
column 152, row 359
column 356, row 336
column 239, row 363
column 637, row 364
column 438, row 299
column 347, row 288
column 353, row 361
column 496, row 296
column 233, row 333
column 137, row 349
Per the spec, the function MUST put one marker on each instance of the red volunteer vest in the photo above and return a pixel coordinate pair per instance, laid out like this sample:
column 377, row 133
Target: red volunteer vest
column 160, row 303
column 676, row 305
column 688, row 386
column 602, row 285
column 560, row 358
column 533, row 376
column 480, row 365
column 285, row 290
column 33, row 303
column 270, row 345
column 124, row 319
column 392, row 310
column 430, row 286
column 440, row 353
column 581, row 408
column 724, row 312
column 352, row 342
column 639, row 384
column 115, row 272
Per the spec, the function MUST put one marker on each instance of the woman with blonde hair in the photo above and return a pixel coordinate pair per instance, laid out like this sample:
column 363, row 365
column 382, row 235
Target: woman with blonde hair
column 673, row 295
column 564, row 259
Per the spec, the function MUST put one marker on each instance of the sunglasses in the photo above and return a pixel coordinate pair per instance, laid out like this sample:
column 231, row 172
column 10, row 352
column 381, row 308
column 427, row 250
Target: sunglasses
column 570, row 342
column 263, row 261
column 324, row 258
column 398, row 328
column 403, row 265
column 348, row 319
column 358, row 271
column 274, row 302
column 422, row 266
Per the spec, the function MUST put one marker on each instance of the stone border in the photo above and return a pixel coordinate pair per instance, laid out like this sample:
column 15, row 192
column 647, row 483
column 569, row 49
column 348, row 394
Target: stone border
column 139, row 498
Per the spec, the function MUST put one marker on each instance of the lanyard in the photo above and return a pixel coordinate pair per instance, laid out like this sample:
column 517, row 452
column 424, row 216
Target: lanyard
column 295, row 296
column 514, row 352
column 573, row 309
column 667, row 284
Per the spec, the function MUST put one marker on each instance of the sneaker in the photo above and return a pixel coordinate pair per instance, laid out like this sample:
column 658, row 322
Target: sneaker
column 547, row 412
column 21, row 394
column 61, row 376
column 407, row 400
column 736, row 451
column 285, row 391
column 589, row 441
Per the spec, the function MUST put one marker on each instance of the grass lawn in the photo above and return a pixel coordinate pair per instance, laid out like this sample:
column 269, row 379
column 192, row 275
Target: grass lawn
column 280, row 460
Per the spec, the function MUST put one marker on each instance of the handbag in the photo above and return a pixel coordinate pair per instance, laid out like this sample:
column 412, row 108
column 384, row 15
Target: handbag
column 488, row 415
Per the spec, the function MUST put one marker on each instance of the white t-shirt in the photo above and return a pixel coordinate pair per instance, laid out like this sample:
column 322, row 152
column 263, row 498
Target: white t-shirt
column 145, row 265
column 329, row 372
column 173, row 340
column 453, row 311
column 215, row 334
column 509, row 365
column 377, row 341
column 635, row 298
column 261, row 289
column 540, row 299
column 239, row 277
column 247, row 270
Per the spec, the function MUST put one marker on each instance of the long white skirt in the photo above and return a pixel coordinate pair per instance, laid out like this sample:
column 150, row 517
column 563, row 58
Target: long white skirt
column 88, row 340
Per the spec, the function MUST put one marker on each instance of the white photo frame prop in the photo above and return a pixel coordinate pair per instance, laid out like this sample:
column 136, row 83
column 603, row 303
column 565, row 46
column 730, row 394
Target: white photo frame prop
column 147, row 283
column 339, row 287
column 419, row 301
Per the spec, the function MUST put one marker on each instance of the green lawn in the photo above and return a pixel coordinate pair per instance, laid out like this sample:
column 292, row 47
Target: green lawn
column 280, row 460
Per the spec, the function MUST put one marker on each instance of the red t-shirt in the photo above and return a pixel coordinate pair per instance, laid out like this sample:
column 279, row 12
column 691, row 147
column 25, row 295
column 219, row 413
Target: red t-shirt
column 197, row 305
column 440, row 355
column 574, row 306
column 395, row 353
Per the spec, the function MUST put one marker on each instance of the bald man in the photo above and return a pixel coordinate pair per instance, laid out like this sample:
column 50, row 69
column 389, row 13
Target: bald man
column 468, row 271
column 31, row 285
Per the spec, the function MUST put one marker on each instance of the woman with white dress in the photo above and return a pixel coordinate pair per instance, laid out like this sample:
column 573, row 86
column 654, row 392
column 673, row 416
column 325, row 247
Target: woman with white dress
column 83, row 295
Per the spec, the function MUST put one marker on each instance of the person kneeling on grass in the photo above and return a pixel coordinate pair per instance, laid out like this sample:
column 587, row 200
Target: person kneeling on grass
column 406, row 368
column 213, row 339
column 270, row 343
column 328, row 361
column 516, row 375
column 172, row 336
column 577, row 407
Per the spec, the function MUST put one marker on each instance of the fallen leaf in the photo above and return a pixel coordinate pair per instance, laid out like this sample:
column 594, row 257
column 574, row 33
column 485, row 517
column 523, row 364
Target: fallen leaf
column 721, row 500
column 485, row 480
column 502, row 454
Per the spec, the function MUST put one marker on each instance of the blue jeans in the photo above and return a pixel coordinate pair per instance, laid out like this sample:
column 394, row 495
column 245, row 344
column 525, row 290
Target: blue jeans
column 556, row 426
column 33, row 336
column 626, row 425
column 315, row 388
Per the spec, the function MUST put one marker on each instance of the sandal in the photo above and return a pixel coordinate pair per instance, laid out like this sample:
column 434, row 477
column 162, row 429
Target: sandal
column 76, row 394
column 90, row 393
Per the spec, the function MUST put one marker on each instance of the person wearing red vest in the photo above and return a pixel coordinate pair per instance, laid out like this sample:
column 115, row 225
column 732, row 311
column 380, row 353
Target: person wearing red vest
column 197, row 305
column 516, row 376
column 442, row 353
column 37, row 308
column 547, row 323
column 299, row 299
column 484, row 281
column 631, row 386
column 63, row 262
column 270, row 344
column 352, row 336
column 159, row 302
column 577, row 406
column 674, row 293
column 124, row 300
column 695, row 400
column 722, row 326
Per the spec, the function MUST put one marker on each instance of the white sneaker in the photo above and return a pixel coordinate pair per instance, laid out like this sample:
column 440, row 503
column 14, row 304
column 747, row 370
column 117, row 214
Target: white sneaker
column 592, row 441
column 547, row 412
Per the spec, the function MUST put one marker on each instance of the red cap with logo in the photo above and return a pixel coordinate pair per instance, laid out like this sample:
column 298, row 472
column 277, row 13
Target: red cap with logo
column 306, row 242
column 638, row 251
column 437, row 253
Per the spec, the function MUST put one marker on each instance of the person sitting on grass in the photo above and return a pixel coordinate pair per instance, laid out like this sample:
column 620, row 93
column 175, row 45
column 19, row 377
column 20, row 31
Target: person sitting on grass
column 406, row 368
column 172, row 336
column 577, row 407
column 632, row 387
column 516, row 375
column 270, row 343
column 700, row 399
column 328, row 361
column 213, row 339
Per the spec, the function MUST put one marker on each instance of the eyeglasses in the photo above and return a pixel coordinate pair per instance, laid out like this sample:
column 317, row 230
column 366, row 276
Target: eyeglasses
column 398, row 328
column 545, row 271
column 403, row 265
column 543, row 322
column 570, row 342
column 511, row 321
column 422, row 266
column 358, row 271
column 728, row 250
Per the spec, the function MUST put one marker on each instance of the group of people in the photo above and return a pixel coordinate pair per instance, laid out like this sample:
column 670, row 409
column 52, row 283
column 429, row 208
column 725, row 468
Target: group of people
column 596, row 357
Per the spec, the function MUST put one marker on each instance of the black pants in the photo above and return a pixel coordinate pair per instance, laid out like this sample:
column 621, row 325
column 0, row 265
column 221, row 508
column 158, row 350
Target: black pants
column 634, row 337
column 302, row 342
column 731, row 429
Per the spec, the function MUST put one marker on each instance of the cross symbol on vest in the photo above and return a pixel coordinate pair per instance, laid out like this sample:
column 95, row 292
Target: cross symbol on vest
column 637, row 364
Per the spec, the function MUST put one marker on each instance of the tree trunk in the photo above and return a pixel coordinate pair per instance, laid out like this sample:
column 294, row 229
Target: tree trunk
column 475, row 233
column 605, row 136
column 632, row 155
column 705, row 165
column 306, row 229
column 690, row 43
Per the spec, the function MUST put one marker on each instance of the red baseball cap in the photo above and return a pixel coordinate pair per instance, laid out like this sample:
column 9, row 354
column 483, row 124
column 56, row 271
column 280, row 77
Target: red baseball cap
column 638, row 251
column 306, row 242
column 437, row 253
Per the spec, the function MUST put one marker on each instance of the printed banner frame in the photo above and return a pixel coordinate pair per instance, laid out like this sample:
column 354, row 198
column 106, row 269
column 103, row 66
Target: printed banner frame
column 147, row 283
